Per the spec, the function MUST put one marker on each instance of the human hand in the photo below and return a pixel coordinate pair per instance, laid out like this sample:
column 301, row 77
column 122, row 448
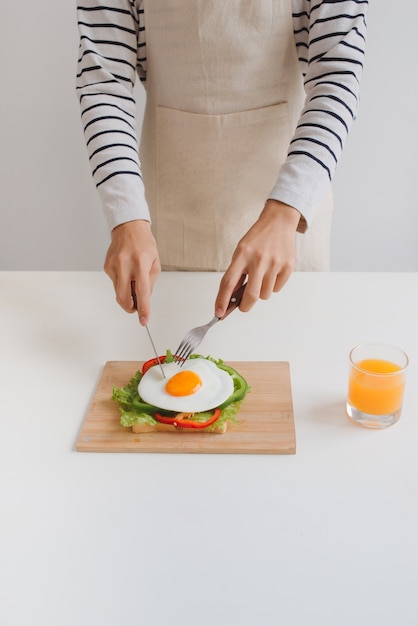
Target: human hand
column 133, row 256
column 266, row 254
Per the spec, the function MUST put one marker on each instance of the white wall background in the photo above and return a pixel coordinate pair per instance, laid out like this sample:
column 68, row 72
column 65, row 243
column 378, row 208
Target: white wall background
column 50, row 216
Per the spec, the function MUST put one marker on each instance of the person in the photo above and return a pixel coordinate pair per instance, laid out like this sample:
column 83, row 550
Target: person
column 248, row 106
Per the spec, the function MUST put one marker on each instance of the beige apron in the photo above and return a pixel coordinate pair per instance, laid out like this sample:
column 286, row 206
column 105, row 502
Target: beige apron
column 224, row 94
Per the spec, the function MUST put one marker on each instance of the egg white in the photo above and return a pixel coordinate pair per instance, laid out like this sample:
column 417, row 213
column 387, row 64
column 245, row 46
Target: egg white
column 217, row 386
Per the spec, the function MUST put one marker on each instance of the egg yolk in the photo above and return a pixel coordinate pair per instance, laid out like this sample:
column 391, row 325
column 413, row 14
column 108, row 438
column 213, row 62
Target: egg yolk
column 183, row 384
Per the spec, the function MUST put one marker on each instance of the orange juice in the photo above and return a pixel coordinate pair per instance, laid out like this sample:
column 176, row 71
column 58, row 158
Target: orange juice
column 376, row 386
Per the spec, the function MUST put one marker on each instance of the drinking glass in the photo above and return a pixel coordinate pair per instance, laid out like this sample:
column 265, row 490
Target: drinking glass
column 376, row 385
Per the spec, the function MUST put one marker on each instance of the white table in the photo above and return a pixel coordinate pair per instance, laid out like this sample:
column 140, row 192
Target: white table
column 326, row 537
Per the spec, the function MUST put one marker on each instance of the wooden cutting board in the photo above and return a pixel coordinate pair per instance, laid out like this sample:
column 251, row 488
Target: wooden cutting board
column 266, row 423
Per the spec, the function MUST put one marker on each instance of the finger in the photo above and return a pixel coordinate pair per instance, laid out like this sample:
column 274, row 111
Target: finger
column 230, row 281
column 268, row 284
column 112, row 271
column 133, row 294
column 121, row 287
column 142, row 288
column 154, row 273
column 282, row 278
column 124, row 292
column 114, row 268
column 252, row 292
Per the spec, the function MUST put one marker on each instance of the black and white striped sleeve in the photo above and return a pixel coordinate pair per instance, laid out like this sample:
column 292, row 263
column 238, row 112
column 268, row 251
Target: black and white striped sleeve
column 330, row 38
column 111, row 45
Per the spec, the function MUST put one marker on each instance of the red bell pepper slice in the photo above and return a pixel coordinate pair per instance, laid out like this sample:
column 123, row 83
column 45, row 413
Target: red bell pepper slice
column 148, row 364
column 187, row 423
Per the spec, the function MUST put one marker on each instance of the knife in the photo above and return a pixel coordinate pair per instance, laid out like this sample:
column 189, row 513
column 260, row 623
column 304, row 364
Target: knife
column 133, row 294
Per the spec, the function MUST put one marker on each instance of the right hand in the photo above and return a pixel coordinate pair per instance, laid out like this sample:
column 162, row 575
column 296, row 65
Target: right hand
column 266, row 255
column 133, row 256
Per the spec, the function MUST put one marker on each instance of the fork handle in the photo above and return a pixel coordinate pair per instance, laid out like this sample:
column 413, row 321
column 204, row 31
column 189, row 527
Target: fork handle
column 235, row 300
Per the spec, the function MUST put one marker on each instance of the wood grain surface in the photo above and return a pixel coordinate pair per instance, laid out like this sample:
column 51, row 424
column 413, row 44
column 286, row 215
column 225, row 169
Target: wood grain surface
column 266, row 421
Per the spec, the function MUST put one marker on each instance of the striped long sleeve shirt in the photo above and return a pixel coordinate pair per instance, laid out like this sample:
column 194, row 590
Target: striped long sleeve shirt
column 330, row 38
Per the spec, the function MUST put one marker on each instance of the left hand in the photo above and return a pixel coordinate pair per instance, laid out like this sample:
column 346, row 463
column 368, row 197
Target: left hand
column 133, row 256
column 266, row 254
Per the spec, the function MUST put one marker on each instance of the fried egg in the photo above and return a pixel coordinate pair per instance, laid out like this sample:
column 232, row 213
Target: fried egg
column 199, row 385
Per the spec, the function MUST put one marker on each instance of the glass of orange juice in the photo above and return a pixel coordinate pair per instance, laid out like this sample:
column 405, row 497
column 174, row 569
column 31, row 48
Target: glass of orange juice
column 376, row 385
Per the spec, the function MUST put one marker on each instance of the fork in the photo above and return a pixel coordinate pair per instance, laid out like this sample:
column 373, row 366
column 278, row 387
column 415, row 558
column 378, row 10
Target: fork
column 195, row 336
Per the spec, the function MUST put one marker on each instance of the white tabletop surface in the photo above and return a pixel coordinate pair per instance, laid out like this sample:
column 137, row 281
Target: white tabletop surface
column 326, row 537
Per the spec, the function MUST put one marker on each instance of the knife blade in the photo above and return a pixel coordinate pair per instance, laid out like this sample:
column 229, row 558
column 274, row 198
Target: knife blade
column 133, row 294
column 156, row 353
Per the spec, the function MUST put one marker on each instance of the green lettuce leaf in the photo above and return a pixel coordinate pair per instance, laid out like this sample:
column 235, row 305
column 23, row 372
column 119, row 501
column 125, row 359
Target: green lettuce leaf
column 129, row 418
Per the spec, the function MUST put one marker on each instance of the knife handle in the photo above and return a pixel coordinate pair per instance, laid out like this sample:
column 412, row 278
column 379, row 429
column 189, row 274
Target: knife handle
column 235, row 300
column 133, row 294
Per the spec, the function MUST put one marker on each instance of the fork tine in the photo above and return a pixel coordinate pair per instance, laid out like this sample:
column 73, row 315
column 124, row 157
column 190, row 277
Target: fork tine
column 178, row 355
column 191, row 341
column 189, row 351
column 185, row 341
column 188, row 345
column 185, row 349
